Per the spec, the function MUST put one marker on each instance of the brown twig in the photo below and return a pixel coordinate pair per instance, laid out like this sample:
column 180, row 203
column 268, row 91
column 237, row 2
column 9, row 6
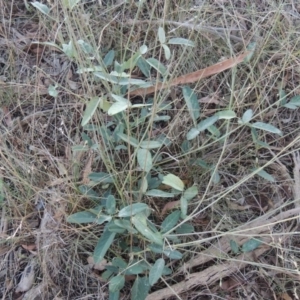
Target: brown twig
column 192, row 77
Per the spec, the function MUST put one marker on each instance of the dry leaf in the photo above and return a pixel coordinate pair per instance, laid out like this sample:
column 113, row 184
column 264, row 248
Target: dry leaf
column 87, row 170
column 169, row 206
column 30, row 247
column 192, row 77
column 285, row 296
column 27, row 278
column 99, row 266
column 234, row 206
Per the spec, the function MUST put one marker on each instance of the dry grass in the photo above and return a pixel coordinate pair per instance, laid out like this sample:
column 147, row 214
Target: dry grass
column 40, row 175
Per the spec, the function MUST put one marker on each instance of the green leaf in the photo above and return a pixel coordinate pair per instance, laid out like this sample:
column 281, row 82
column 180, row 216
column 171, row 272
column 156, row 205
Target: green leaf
column 111, row 205
column 234, row 246
column 190, row 193
column 214, row 131
column 294, row 103
column 265, row 175
column 192, row 134
column 72, row 3
column 109, row 58
column 116, row 108
column 101, row 177
column 144, row 159
column 173, row 254
column 204, row 124
column 167, row 51
column 247, row 116
column 128, row 139
column 156, row 271
column 282, row 97
column 267, row 127
column 90, row 110
column 82, row 217
column 107, row 77
column 150, row 144
column 173, row 181
column 80, row 148
column 226, row 114
column 113, row 296
column 144, row 185
column 154, row 63
column 185, row 228
column 41, row 7
column 156, row 248
column 86, row 47
column 191, row 102
column 120, row 263
column 251, row 245
column 183, row 207
column 125, row 224
column 161, row 35
column 159, row 193
column 112, row 227
column 116, row 283
column 132, row 210
column 215, row 176
column 144, row 67
column 251, row 47
column 139, row 223
column 68, row 49
column 170, row 221
column 140, row 288
column 103, row 244
column 181, row 41
column 135, row 268
column 52, row 90
column 143, row 49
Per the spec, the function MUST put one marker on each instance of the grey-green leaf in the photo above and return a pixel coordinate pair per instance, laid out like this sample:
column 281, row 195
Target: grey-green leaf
column 183, row 206
column 156, row 271
column 129, row 139
column 251, row 245
column 116, row 283
column 103, row 244
column 174, row 181
column 167, row 51
column 140, row 288
column 181, row 41
column 144, row 159
column 266, row 175
column 170, row 221
column 41, row 7
column 109, row 58
column 111, row 204
column 267, row 127
column 173, row 254
column 185, row 228
column 190, row 193
column 192, row 134
column 161, row 35
column 226, row 114
column 234, row 246
column 192, row 103
column 139, row 223
column 153, row 62
column 159, row 193
column 101, row 177
column 82, row 217
column 247, row 116
column 90, row 110
column 151, row 144
column 132, row 210
column 207, row 122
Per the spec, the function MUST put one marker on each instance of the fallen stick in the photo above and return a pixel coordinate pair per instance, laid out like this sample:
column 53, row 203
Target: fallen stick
column 217, row 272
column 192, row 77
